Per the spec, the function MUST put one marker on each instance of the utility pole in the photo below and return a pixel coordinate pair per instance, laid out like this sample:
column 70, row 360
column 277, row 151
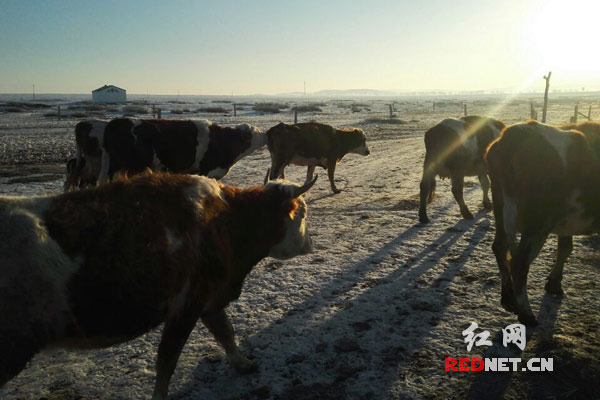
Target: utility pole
column 547, row 78
column 33, row 86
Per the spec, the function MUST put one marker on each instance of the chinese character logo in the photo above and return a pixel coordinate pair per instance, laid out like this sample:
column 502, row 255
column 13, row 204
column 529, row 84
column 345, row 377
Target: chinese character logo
column 481, row 339
column 514, row 333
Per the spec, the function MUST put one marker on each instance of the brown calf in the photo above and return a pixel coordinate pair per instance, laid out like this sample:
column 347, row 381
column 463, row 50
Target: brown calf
column 312, row 144
column 454, row 148
column 544, row 180
column 97, row 267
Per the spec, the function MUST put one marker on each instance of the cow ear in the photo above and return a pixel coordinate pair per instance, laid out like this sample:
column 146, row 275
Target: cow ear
column 289, row 208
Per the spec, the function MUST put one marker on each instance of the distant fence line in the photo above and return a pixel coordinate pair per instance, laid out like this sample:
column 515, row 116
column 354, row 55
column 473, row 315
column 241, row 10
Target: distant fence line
column 533, row 112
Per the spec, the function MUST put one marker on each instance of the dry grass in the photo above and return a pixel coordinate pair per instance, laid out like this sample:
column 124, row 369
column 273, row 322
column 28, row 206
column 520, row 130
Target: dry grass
column 308, row 108
column 219, row 110
column 391, row 121
column 14, row 109
column 270, row 107
column 135, row 109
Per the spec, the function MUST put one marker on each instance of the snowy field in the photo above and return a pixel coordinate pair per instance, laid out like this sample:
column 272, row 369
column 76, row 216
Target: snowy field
column 373, row 312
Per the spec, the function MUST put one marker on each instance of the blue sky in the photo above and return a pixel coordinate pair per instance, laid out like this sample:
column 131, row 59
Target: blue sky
column 265, row 46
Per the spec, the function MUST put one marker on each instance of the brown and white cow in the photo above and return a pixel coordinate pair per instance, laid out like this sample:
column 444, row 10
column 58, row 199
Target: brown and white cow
column 312, row 144
column 544, row 180
column 454, row 148
column 89, row 138
column 197, row 147
column 92, row 268
column 591, row 130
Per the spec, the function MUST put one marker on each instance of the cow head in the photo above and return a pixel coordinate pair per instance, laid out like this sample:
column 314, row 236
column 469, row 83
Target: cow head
column 258, row 139
column 296, row 240
column 359, row 142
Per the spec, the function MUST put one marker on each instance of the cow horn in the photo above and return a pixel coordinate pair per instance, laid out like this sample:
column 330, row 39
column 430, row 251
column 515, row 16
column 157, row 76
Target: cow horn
column 299, row 191
column 267, row 176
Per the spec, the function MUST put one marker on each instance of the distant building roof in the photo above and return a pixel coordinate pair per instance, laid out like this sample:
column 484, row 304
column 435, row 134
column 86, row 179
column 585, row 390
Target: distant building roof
column 100, row 89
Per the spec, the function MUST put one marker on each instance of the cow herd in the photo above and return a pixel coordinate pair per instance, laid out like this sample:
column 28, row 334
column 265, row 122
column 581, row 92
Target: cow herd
column 126, row 145
column 164, row 243
column 544, row 180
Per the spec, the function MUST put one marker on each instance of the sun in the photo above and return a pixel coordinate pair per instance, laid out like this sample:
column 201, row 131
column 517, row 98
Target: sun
column 564, row 36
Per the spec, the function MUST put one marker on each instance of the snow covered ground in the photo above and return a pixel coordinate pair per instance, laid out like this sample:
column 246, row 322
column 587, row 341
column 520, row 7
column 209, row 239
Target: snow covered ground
column 373, row 312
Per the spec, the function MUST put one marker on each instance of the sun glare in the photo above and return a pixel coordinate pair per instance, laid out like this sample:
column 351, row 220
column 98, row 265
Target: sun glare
column 564, row 34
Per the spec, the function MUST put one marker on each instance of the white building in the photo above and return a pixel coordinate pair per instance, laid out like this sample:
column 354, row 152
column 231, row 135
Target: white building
column 109, row 94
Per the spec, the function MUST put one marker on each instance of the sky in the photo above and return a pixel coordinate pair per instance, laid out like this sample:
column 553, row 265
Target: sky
column 274, row 46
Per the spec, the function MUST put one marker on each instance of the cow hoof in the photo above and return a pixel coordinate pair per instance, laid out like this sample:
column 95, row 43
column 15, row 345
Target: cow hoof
column 487, row 205
column 424, row 220
column 554, row 287
column 508, row 305
column 528, row 320
column 336, row 191
column 242, row 364
column 467, row 215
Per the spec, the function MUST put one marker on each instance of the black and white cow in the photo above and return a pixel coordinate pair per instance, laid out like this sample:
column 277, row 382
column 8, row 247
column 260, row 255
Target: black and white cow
column 89, row 139
column 196, row 147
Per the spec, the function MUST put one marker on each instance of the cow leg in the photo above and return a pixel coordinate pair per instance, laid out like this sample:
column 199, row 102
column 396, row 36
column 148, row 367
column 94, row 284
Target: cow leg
column 71, row 181
column 74, row 174
column 16, row 349
column 529, row 247
column 485, row 187
column 501, row 248
column 309, row 173
column 457, row 191
column 501, row 251
column 565, row 246
column 330, row 172
column 427, row 189
column 277, row 167
column 104, row 164
column 175, row 333
column 219, row 325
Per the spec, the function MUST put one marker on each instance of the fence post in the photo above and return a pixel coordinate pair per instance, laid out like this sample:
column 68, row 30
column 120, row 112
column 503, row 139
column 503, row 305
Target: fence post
column 295, row 115
column 465, row 107
column 575, row 113
column 59, row 113
column 391, row 111
column 590, row 113
column 153, row 111
column 544, row 111
column 159, row 112
column 533, row 113
column 234, row 110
